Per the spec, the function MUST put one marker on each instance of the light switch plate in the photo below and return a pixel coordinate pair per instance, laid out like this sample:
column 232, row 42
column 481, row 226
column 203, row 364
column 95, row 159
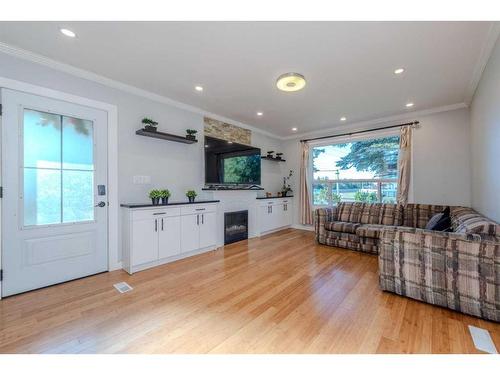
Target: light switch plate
column 142, row 180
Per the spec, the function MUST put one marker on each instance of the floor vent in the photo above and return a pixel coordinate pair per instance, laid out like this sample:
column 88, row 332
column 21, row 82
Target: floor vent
column 482, row 340
column 123, row 287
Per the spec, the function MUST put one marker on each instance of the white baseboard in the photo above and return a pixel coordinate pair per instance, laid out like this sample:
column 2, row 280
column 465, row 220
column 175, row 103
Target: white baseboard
column 303, row 227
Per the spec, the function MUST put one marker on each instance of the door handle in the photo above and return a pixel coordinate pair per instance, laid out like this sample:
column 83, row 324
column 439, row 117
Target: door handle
column 100, row 204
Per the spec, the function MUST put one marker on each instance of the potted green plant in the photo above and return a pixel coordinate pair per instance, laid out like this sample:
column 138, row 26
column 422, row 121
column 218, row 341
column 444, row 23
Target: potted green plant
column 191, row 134
column 149, row 124
column 191, row 194
column 165, row 194
column 286, row 188
column 155, row 196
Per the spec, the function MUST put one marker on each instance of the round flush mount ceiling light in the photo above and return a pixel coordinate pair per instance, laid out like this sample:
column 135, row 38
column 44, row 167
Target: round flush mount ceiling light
column 343, row 118
column 290, row 82
column 198, row 88
column 409, row 105
column 259, row 113
column 399, row 71
column 294, row 129
column 68, row 33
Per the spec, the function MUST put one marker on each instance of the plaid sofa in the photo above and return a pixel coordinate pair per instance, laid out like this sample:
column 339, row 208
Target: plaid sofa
column 459, row 270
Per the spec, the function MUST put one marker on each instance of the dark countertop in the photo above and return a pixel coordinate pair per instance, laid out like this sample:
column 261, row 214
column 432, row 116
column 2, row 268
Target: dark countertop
column 143, row 205
column 275, row 197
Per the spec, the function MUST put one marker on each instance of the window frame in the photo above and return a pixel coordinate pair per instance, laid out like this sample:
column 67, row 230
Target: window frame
column 340, row 140
column 21, row 146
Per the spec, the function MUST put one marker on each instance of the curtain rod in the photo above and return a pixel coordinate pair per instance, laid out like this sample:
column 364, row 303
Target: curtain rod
column 361, row 131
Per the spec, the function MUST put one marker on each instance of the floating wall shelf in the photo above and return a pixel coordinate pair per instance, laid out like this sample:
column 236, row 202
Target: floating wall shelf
column 165, row 136
column 271, row 158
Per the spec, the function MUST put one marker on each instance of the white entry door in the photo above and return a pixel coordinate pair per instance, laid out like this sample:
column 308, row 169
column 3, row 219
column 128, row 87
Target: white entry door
column 54, row 174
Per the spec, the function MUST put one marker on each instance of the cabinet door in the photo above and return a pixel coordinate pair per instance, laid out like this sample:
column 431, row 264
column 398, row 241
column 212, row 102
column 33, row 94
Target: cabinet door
column 169, row 239
column 190, row 233
column 278, row 215
column 287, row 217
column 265, row 217
column 208, row 235
column 144, row 247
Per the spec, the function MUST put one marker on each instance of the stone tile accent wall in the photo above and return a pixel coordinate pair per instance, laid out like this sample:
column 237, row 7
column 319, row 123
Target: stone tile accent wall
column 228, row 132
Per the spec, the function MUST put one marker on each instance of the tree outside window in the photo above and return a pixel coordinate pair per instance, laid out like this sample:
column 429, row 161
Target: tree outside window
column 360, row 171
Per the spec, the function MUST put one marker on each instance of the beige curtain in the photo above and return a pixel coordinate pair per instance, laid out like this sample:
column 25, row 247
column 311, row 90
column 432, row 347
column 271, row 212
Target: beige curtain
column 305, row 196
column 404, row 164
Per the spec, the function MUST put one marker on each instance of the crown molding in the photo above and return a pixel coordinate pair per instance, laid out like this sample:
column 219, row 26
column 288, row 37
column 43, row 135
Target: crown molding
column 482, row 61
column 85, row 74
column 368, row 124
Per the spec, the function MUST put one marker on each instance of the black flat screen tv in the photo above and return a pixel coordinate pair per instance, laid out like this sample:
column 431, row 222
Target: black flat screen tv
column 228, row 163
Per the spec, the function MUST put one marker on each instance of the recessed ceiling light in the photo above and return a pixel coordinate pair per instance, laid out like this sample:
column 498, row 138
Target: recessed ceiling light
column 343, row 118
column 198, row 88
column 290, row 82
column 399, row 71
column 409, row 105
column 294, row 129
column 259, row 113
column 68, row 32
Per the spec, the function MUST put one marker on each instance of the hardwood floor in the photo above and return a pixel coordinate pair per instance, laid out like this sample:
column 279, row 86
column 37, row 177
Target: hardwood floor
column 281, row 293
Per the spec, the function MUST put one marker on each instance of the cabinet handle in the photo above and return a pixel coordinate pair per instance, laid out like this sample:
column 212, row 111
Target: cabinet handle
column 197, row 219
column 162, row 224
column 156, row 225
column 200, row 209
column 202, row 218
column 159, row 213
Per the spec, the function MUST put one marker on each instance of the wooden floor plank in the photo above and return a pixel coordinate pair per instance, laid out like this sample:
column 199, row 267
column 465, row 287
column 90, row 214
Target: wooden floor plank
column 280, row 293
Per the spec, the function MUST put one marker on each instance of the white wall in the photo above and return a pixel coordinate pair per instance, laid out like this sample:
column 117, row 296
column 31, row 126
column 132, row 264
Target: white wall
column 485, row 140
column 171, row 165
column 441, row 159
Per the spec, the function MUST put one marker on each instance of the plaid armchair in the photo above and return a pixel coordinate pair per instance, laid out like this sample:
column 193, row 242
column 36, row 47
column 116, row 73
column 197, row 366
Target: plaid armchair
column 460, row 271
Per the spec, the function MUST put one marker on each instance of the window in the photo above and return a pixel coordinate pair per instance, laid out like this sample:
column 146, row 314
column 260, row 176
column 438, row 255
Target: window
column 58, row 169
column 357, row 171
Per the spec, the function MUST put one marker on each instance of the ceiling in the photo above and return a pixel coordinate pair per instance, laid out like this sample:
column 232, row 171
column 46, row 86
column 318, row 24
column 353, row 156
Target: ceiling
column 349, row 66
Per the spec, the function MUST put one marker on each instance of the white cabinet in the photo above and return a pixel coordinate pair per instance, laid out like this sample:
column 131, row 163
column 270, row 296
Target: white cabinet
column 199, row 230
column 154, row 236
column 274, row 214
column 145, row 240
column 208, row 233
column 169, row 238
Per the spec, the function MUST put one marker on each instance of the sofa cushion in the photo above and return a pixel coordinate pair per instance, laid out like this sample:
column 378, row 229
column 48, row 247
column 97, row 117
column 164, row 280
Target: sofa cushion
column 370, row 230
column 381, row 213
column 466, row 220
column 341, row 226
column 440, row 221
column 349, row 212
column 418, row 215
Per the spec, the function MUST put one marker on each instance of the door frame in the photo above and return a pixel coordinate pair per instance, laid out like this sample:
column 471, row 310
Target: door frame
column 114, row 262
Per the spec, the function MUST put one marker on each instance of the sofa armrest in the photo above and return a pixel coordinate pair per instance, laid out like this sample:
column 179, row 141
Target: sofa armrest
column 321, row 216
column 455, row 270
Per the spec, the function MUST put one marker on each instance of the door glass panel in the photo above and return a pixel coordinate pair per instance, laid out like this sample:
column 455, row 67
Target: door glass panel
column 42, row 140
column 78, row 196
column 78, row 148
column 42, row 196
column 58, row 169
